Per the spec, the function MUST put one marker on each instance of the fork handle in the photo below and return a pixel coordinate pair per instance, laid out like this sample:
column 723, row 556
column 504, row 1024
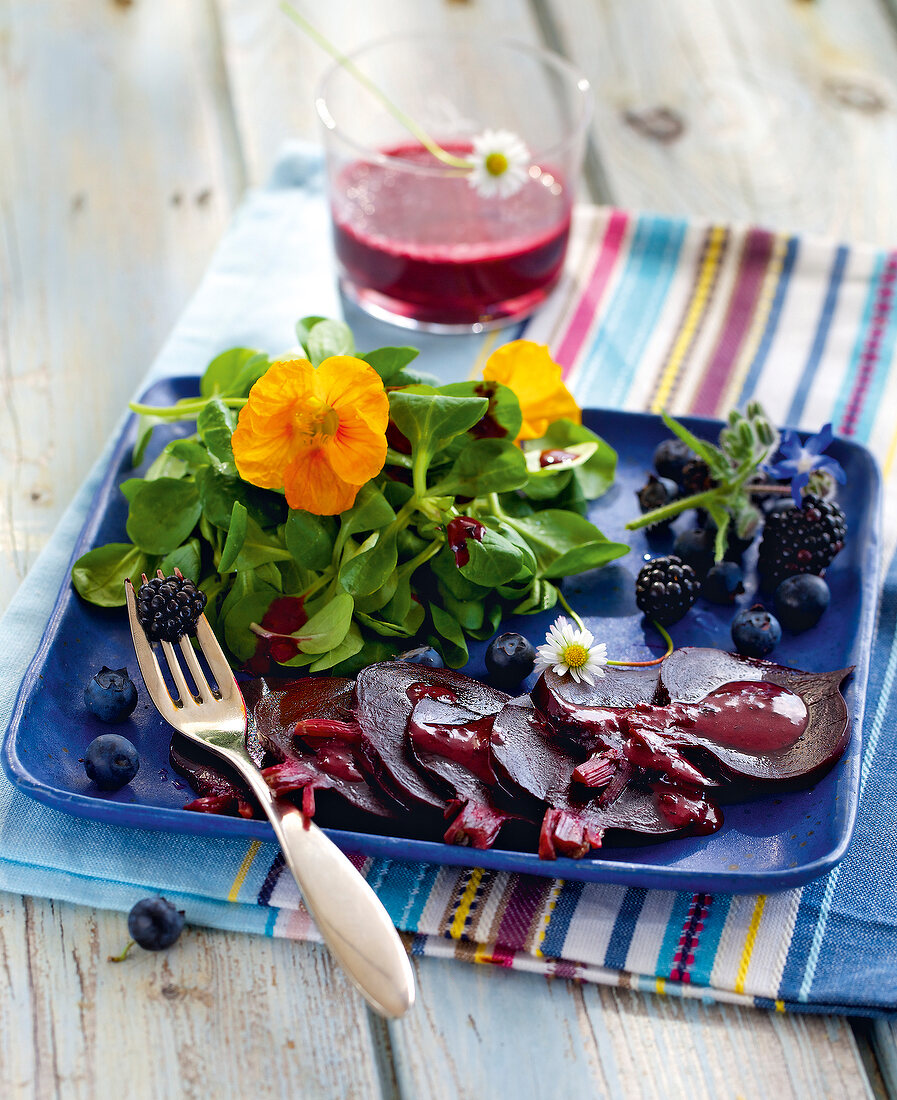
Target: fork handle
column 347, row 912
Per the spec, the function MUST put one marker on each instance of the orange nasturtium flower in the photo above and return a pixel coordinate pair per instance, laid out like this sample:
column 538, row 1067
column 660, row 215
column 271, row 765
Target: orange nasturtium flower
column 528, row 370
column 318, row 434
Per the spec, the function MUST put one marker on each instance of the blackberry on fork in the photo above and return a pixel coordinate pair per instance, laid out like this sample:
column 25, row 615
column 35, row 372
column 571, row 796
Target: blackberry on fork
column 168, row 607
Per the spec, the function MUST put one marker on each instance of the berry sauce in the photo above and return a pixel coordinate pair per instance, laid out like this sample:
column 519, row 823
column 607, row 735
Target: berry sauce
column 458, row 531
column 431, row 248
column 439, row 726
column 555, row 458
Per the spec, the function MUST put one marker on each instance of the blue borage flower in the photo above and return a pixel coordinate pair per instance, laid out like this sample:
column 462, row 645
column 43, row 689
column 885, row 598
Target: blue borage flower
column 801, row 460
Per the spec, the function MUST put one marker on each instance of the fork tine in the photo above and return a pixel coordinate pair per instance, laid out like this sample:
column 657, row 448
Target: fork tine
column 177, row 674
column 211, row 650
column 146, row 658
column 196, row 670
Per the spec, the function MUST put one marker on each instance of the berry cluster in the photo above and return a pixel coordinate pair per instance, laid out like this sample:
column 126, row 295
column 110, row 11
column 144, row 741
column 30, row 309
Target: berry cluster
column 168, row 607
column 797, row 545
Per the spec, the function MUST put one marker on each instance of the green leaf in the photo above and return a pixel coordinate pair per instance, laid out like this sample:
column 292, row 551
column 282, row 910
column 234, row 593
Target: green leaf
column 468, row 613
column 542, row 596
column 166, row 464
column 372, row 652
column 484, row 466
column 259, row 547
column 240, row 639
column 191, row 452
column 218, row 491
column 491, row 620
column 187, row 558
column 99, row 575
column 503, row 416
column 566, row 543
column 326, row 629
column 494, row 560
column 236, row 535
column 162, row 514
column 568, row 458
column 454, row 645
column 304, row 327
column 329, row 338
column 376, row 600
column 430, row 421
column 370, row 512
column 215, row 425
column 368, row 571
column 225, row 375
column 446, row 569
column 596, row 475
column 309, row 539
column 388, row 362
column 347, row 648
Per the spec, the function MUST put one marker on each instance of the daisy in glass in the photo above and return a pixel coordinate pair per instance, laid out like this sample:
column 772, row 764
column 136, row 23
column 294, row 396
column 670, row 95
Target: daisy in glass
column 499, row 164
column 571, row 649
column 800, row 461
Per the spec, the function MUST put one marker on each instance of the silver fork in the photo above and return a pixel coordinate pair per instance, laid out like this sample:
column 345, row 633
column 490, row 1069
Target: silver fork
column 348, row 913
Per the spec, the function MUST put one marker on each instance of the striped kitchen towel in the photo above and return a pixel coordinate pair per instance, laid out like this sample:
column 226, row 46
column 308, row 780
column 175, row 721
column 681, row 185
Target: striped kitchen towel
column 652, row 313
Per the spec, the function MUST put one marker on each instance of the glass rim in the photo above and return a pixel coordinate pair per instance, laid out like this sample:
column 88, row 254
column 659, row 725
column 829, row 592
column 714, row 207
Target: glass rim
column 577, row 82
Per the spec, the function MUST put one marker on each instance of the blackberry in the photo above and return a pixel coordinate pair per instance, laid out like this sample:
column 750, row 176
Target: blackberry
column 800, row 540
column 168, row 607
column 666, row 588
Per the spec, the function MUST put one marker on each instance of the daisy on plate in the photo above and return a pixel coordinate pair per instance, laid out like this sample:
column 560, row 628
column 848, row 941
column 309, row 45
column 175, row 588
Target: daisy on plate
column 571, row 649
column 499, row 164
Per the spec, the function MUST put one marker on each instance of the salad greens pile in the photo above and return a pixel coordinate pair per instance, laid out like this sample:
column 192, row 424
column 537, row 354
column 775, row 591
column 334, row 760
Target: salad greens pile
column 461, row 528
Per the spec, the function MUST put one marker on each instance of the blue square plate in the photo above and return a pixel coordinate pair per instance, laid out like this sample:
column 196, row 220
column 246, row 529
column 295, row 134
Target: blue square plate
column 768, row 844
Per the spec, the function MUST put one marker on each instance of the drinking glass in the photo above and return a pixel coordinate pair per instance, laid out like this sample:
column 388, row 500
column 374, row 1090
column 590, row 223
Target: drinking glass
column 416, row 244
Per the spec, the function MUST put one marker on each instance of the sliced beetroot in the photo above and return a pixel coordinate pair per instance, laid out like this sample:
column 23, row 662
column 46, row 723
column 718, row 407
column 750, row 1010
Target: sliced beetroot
column 524, row 750
column 219, row 792
column 306, row 726
column 761, row 721
column 592, row 714
column 382, row 710
column 451, row 744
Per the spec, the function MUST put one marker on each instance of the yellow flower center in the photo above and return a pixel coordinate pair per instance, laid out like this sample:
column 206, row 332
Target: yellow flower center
column 321, row 419
column 496, row 164
column 575, row 656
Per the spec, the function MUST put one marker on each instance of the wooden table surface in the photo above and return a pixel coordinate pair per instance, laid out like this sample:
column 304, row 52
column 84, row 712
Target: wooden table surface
column 129, row 129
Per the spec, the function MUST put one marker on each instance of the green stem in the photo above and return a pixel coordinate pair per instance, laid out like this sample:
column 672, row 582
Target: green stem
column 318, row 584
column 397, row 113
column 408, row 567
column 123, row 955
column 669, row 511
column 419, row 475
column 184, row 410
column 563, row 602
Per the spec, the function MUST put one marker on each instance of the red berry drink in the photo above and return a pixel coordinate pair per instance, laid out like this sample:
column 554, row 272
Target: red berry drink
column 417, row 242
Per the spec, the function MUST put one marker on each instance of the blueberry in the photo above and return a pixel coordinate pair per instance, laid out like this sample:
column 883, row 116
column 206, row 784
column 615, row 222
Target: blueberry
column 696, row 548
column 670, row 458
column 510, row 658
column 723, row 583
column 111, row 695
column 155, row 924
column 111, row 761
column 755, row 631
column 655, row 493
column 800, row 601
column 423, row 655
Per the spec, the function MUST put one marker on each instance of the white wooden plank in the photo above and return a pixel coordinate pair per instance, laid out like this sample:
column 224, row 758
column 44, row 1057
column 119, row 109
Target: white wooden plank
column 486, row 1032
column 773, row 113
column 117, row 176
column 218, row 1014
column 274, row 69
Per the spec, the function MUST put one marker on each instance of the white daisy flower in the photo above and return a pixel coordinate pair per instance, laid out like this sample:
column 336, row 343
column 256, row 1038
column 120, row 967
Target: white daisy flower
column 499, row 164
column 569, row 649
